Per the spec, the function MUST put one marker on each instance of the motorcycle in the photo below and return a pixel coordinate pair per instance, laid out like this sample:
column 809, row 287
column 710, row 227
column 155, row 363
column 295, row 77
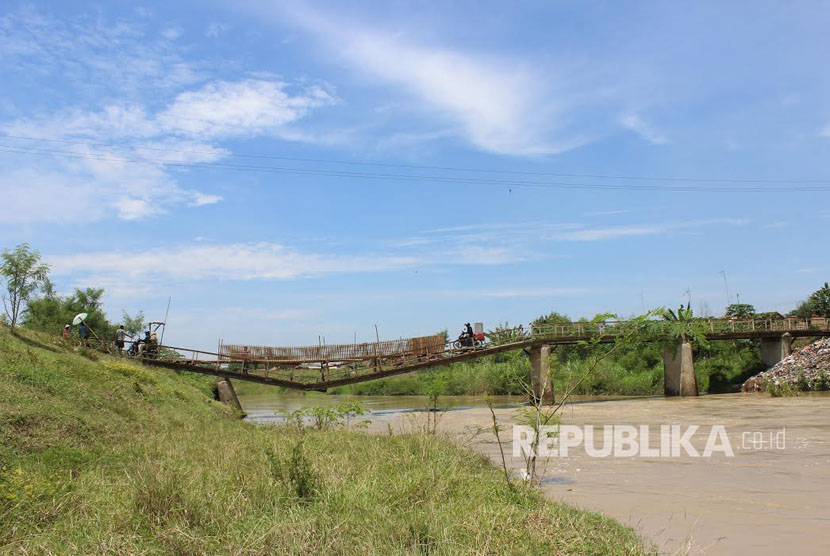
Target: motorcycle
column 466, row 341
column 132, row 351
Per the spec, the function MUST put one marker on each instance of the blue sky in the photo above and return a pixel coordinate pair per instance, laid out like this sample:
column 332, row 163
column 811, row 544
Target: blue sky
column 288, row 170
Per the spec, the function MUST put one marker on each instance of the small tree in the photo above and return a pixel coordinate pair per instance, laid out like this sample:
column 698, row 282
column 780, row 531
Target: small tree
column 817, row 304
column 24, row 274
column 133, row 325
column 680, row 326
column 740, row 311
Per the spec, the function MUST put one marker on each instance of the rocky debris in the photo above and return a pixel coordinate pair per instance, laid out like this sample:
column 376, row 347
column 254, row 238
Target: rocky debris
column 806, row 369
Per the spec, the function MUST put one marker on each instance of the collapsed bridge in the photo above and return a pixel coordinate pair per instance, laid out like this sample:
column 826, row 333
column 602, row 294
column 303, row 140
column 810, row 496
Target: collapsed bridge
column 327, row 366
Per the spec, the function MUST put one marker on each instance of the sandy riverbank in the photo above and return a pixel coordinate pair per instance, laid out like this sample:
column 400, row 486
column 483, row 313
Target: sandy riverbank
column 761, row 501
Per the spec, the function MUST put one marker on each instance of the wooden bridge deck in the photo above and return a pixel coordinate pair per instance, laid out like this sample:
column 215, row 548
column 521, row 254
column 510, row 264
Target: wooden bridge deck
column 296, row 373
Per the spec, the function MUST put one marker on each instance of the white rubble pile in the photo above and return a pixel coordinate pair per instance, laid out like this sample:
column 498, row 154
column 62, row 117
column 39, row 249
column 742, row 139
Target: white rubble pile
column 810, row 365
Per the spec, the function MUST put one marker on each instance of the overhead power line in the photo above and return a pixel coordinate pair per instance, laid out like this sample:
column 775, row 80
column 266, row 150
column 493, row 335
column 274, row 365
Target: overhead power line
column 398, row 177
column 418, row 166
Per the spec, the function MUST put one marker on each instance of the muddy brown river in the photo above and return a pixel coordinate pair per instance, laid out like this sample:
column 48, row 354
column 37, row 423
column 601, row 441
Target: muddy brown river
column 771, row 497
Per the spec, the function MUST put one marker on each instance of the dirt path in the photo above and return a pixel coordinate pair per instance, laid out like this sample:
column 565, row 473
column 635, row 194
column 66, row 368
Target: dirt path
column 761, row 501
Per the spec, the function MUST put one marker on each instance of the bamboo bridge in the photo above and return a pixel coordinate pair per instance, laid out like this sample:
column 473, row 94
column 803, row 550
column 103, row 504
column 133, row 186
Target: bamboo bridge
column 323, row 367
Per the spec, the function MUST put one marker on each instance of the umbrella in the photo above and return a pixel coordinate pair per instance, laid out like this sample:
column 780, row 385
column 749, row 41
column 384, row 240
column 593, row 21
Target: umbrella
column 79, row 318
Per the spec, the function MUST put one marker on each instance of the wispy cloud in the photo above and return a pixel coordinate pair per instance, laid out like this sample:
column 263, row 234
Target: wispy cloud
column 499, row 104
column 256, row 261
column 523, row 240
column 217, row 110
column 228, row 109
column 607, row 212
column 647, row 131
column 617, row 232
column 185, row 120
column 597, row 234
column 93, row 52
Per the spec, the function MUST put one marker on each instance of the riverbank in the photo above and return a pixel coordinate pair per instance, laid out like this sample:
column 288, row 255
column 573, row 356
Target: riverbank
column 103, row 456
column 772, row 497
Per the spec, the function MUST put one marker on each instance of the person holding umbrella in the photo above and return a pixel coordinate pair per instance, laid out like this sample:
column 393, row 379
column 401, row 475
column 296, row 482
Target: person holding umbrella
column 83, row 332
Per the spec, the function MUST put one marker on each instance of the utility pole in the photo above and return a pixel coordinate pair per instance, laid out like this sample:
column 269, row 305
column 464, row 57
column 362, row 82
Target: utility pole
column 726, row 285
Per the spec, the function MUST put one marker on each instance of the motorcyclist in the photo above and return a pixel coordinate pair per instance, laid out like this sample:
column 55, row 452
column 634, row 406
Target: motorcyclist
column 466, row 337
column 144, row 344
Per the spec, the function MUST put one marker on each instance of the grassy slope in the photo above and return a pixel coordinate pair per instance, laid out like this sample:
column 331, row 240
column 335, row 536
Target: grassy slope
column 108, row 457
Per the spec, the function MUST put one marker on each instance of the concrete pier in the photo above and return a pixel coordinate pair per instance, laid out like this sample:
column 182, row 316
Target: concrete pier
column 679, row 367
column 774, row 350
column 227, row 394
column 540, row 381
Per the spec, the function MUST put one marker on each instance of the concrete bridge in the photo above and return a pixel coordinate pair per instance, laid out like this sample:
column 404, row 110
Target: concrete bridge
column 323, row 367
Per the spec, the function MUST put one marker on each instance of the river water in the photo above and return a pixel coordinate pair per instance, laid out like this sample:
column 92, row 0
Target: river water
column 772, row 496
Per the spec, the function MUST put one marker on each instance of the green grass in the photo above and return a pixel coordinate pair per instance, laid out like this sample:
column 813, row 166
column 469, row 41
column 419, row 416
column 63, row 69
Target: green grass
column 101, row 456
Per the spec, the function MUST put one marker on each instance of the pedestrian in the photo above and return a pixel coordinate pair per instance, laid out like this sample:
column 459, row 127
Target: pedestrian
column 65, row 332
column 120, row 334
column 245, row 360
column 83, row 333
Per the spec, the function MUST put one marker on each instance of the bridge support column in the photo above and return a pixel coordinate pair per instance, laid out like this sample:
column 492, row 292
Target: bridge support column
column 774, row 350
column 540, row 381
column 679, row 367
column 227, row 394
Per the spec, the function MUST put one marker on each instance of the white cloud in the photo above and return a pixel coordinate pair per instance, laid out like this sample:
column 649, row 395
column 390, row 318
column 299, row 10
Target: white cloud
column 215, row 29
column 88, row 191
column 95, row 52
column 607, row 212
column 31, row 195
column 504, row 242
column 172, row 33
column 184, row 132
column 598, row 234
column 261, row 261
column 201, row 199
column 256, row 261
column 217, row 110
column 224, row 109
column 635, row 123
column 499, row 104
column 131, row 88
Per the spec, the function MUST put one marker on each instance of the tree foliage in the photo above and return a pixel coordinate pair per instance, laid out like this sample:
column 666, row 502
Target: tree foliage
column 740, row 311
column 50, row 312
column 25, row 274
column 552, row 318
column 506, row 334
column 676, row 326
column 817, row 304
column 133, row 325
